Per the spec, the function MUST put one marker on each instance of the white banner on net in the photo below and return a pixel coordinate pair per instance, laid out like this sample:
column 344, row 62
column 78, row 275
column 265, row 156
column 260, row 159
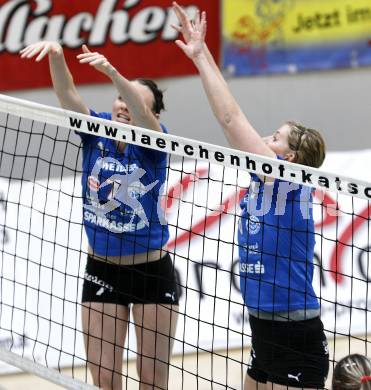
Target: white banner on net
column 180, row 146
column 42, row 262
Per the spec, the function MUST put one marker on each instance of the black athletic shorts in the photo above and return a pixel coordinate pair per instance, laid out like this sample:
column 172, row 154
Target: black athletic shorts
column 151, row 282
column 289, row 353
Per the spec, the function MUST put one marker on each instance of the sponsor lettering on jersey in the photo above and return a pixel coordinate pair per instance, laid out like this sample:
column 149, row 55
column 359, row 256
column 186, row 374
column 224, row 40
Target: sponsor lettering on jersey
column 249, row 268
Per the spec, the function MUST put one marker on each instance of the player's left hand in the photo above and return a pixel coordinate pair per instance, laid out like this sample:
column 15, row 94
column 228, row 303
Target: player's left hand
column 99, row 61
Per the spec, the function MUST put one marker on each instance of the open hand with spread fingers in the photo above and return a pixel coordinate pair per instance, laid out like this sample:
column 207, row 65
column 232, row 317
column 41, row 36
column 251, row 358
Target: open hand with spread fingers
column 193, row 32
column 185, row 23
column 99, row 61
column 41, row 49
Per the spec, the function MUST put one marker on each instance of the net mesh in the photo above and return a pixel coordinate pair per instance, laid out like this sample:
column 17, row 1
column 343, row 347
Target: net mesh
column 43, row 246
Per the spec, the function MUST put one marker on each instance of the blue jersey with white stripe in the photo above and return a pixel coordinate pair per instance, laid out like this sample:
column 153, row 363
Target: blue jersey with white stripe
column 122, row 212
column 276, row 247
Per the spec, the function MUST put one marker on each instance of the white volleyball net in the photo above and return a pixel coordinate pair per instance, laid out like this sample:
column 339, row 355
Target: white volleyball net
column 43, row 247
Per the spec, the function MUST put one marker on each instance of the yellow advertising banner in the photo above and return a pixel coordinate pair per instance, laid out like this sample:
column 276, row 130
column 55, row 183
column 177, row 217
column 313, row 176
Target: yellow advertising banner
column 268, row 36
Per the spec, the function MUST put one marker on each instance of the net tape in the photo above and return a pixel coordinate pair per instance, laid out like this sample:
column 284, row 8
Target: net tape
column 185, row 147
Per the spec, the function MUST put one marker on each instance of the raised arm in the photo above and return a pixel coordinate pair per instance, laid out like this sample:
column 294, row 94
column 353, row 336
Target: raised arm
column 238, row 130
column 129, row 91
column 185, row 28
column 63, row 84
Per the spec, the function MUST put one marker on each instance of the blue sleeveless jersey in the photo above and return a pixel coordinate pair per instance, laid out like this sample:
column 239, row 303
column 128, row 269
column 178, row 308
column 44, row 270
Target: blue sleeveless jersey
column 276, row 247
column 122, row 213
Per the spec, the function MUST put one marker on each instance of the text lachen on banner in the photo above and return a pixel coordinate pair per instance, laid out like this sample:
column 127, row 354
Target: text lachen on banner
column 136, row 36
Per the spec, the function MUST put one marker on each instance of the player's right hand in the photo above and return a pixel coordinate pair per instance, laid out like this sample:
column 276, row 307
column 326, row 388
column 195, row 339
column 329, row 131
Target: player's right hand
column 193, row 32
column 41, row 49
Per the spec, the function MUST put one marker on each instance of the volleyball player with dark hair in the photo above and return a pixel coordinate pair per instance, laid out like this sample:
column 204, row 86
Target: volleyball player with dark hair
column 352, row 372
column 275, row 236
column 128, row 265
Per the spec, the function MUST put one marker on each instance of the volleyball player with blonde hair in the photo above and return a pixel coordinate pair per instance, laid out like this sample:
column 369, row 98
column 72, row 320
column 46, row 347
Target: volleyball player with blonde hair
column 352, row 372
column 289, row 347
column 128, row 266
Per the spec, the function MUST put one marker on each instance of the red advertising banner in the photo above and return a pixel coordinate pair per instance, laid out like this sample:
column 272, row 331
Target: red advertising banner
column 135, row 35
